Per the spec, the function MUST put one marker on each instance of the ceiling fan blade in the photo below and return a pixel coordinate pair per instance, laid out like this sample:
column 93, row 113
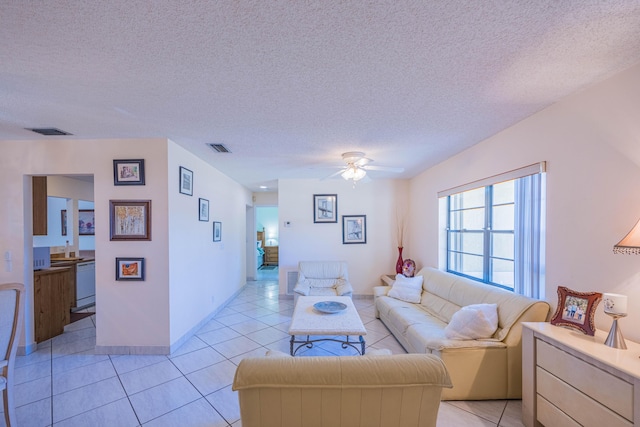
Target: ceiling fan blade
column 363, row 161
column 383, row 168
column 333, row 174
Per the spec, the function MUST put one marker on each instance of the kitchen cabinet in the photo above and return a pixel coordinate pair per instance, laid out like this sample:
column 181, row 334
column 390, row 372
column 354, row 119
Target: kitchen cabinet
column 270, row 255
column 39, row 190
column 52, row 300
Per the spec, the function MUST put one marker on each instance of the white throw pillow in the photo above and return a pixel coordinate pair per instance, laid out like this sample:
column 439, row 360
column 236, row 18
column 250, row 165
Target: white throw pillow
column 473, row 322
column 407, row 289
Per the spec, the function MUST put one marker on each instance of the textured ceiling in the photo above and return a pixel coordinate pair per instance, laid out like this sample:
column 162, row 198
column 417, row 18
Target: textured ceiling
column 288, row 86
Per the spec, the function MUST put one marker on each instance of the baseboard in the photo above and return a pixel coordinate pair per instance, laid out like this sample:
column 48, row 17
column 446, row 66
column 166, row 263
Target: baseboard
column 164, row 350
column 24, row 350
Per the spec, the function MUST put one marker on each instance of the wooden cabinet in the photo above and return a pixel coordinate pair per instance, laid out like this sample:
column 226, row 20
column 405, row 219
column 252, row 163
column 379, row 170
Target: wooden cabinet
column 572, row 379
column 39, row 190
column 271, row 255
column 52, row 301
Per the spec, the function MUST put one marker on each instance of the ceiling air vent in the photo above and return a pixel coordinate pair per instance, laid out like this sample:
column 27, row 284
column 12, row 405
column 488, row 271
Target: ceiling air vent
column 49, row 131
column 219, row 148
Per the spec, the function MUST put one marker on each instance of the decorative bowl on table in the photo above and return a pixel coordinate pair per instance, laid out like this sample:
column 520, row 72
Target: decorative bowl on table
column 329, row 307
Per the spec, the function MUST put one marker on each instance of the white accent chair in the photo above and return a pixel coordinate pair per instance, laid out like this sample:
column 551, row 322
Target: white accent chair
column 318, row 278
column 11, row 307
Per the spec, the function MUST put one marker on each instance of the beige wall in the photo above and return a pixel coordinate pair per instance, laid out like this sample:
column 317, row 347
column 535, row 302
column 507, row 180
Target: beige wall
column 591, row 142
column 308, row 241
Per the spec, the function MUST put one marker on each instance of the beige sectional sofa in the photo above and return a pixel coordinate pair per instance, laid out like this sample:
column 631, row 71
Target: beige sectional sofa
column 401, row 390
column 489, row 368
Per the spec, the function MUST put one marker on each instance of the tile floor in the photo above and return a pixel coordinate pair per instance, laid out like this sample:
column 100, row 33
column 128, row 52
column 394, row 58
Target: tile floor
column 64, row 383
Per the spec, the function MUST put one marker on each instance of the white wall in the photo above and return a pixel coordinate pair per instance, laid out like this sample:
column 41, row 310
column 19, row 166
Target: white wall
column 306, row 240
column 135, row 313
column 203, row 274
column 591, row 142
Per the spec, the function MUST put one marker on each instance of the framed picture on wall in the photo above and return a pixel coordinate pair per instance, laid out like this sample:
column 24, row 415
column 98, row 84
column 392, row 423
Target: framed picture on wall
column 217, row 231
column 128, row 172
column 130, row 219
column 130, row 269
column 203, row 209
column 86, row 222
column 325, row 208
column 354, row 229
column 186, row 181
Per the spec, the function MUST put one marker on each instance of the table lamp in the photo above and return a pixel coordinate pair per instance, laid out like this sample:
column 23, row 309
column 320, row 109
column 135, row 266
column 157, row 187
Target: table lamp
column 615, row 305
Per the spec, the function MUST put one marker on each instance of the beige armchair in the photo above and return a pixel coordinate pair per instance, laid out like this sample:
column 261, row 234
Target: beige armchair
column 323, row 278
column 401, row 390
column 11, row 307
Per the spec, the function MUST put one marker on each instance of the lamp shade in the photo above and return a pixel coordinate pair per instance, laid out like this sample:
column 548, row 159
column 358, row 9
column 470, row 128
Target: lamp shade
column 630, row 244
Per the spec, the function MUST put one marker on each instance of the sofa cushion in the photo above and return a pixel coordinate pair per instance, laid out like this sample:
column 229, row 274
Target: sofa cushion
column 407, row 289
column 427, row 338
column 472, row 322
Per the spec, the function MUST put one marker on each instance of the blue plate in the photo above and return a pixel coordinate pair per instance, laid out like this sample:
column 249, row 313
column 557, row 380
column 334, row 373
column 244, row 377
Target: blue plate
column 329, row 307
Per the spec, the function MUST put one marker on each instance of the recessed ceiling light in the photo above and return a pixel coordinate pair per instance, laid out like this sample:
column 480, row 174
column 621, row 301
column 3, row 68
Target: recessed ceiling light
column 263, row 187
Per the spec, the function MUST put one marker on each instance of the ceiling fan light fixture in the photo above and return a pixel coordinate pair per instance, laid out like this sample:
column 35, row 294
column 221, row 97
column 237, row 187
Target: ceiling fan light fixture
column 353, row 172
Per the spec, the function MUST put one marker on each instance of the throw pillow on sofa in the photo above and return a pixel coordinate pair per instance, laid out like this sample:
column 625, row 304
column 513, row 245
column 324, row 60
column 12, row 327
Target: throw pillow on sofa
column 407, row 289
column 472, row 322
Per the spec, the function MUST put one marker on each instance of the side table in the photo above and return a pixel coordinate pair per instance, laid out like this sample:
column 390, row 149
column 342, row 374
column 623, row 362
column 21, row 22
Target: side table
column 388, row 279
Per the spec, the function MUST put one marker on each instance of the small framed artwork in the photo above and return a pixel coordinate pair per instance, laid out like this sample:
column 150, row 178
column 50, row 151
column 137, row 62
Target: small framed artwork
column 130, row 269
column 217, row 231
column 63, row 223
column 86, row 222
column 130, row 219
column 354, row 229
column 128, row 172
column 325, row 208
column 186, row 181
column 203, row 209
column 576, row 310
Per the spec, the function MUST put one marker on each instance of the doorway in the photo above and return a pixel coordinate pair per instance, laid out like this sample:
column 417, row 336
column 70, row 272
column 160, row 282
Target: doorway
column 267, row 239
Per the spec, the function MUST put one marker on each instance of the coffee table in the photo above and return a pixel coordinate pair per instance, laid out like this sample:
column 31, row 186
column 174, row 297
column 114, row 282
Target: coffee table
column 307, row 321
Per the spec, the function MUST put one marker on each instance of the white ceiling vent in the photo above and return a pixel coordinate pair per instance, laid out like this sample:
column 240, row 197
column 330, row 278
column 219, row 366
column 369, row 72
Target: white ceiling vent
column 219, row 148
column 49, row 131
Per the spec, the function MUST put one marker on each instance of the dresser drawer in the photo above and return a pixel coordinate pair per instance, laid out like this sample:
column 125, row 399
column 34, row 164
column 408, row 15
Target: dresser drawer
column 575, row 404
column 550, row 416
column 611, row 391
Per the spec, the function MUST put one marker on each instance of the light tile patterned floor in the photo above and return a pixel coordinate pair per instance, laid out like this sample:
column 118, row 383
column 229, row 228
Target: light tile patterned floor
column 65, row 384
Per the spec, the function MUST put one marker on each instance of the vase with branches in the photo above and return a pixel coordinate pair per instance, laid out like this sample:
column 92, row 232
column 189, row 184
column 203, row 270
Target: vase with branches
column 400, row 229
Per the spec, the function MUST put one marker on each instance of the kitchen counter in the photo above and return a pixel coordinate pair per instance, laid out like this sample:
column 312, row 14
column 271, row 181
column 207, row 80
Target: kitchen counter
column 63, row 262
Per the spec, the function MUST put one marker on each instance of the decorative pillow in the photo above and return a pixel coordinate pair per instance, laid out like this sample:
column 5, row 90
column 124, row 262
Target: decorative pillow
column 473, row 322
column 407, row 289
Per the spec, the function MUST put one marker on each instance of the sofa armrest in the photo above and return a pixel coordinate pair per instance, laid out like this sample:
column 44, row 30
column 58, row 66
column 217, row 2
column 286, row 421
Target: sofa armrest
column 379, row 291
column 302, row 288
column 344, row 288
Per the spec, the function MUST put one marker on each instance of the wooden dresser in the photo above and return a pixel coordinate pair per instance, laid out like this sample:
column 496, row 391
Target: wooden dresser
column 572, row 379
column 270, row 255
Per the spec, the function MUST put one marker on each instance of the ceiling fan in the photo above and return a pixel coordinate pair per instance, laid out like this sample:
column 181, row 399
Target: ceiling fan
column 357, row 166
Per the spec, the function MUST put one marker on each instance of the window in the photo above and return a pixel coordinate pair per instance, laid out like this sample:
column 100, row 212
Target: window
column 495, row 230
